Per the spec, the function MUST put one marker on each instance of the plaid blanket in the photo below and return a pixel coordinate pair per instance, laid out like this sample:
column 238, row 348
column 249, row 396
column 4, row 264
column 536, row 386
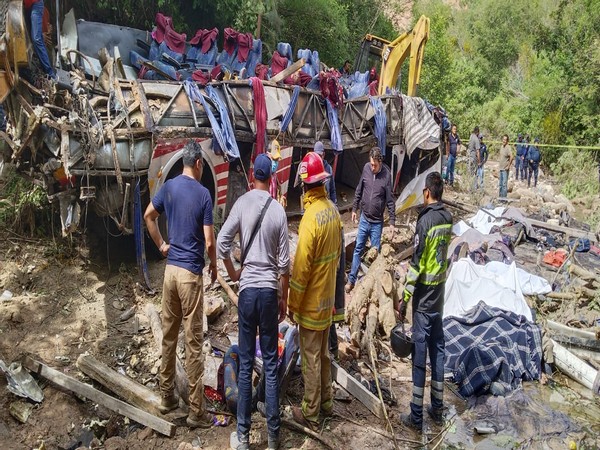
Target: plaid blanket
column 491, row 350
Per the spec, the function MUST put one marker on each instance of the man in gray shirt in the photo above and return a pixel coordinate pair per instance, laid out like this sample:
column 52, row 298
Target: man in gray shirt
column 265, row 259
column 473, row 150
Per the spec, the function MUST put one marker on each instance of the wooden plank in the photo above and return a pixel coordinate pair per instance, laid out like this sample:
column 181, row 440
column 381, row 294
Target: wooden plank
column 353, row 386
column 570, row 331
column 287, row 72
column 571, row 341
column 123, row 386
column 87, row 391
column 575, row 368
column 232, row 295
column 566, row 230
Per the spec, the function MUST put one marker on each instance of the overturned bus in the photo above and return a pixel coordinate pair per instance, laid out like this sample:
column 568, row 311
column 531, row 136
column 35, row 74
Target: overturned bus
column 100, row 136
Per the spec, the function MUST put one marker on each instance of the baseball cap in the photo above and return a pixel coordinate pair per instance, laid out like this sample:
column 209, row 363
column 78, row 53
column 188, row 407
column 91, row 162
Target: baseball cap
column 319, row 149
column 262, row 167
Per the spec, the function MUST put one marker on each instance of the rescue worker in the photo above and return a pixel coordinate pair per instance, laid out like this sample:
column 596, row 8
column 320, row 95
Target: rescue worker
column 373, row 194
column 452, row 145
column 520, row 162
column 425, row 284
column 505, row 156
column 340, row 300
column 473, row 150
column 482, row 159
column 262, row 226
column 346, row 69
column 534, row 157
column 312, row 290
column 188, row 207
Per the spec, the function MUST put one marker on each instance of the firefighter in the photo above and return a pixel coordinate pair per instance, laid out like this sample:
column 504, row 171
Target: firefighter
column 425, row 282
column 312, row 290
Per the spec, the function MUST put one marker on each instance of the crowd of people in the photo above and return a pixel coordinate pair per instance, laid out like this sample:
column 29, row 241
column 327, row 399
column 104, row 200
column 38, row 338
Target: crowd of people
column 309, row 292
column 527, row 159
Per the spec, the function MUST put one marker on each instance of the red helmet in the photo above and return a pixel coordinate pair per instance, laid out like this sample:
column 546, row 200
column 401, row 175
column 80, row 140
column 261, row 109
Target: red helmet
column 311, row 169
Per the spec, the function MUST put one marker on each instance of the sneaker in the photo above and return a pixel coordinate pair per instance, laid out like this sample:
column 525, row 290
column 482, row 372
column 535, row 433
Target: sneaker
column 236, row 444
column 273, row 442
column 168, row 403
column 349, row 287
column 204, row 420
column 436, row 415
column 407, row 420
column 299, row 418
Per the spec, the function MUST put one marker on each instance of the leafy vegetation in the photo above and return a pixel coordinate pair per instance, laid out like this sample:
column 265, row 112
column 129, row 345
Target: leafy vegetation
column 509, row 66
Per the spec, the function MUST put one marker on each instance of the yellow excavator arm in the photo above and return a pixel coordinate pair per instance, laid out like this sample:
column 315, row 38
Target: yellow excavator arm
column 394, row 53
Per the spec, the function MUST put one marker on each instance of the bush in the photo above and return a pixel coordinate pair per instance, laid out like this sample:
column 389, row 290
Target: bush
column 576, row 175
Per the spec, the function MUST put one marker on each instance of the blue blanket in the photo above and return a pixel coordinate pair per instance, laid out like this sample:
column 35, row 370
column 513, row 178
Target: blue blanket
column 491, row 348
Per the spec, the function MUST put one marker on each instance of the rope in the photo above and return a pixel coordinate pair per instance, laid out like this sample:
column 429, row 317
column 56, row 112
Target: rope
column 584, row 147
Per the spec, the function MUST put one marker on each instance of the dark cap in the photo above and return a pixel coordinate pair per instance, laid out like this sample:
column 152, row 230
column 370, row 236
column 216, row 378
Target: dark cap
column 319, row 149
column 536, row 140
column 262, row 167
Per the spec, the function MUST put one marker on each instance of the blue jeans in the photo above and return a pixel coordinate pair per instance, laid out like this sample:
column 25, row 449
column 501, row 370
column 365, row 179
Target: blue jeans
column 503, row 183
column 479, row 179
column 450, row 168
column 37, row 37
column 518, row 167
column 365, row 229
column 428, row 334
column 533, row 169
column 258, row 308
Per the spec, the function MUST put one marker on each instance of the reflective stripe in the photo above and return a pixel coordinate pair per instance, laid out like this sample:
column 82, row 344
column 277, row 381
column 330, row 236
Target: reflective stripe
column 339, row 316
column 418, row 390
column 437, row 394
column 297, row 286
column 317, row 325
column 433, row 279
column 327, row 258
column 439, row 385
column 327, row 406
column 309, row 418
column 412, row 274
column 417, row 400
column 439, row 231
column 410, row 288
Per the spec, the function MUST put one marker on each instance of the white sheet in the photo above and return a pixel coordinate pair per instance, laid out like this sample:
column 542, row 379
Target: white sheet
column 468, row 284
column 460, row 228
column 484, row 222
column 530, row 284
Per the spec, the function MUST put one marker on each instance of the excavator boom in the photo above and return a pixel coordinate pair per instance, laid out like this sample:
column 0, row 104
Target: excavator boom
column 393, row 54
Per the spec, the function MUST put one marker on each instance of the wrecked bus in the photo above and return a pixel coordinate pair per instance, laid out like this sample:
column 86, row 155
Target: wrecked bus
column 102, row 137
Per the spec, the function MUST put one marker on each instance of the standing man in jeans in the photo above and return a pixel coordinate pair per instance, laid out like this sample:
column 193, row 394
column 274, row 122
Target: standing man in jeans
column 312, row 290
column 452, row 145
column 506, row 157
column 34, row 10
column 425, row 284
column 188, row 207
column 373, row 194
column 481, row 160
column 473, row 150
column 520, row 163
column 265, row 259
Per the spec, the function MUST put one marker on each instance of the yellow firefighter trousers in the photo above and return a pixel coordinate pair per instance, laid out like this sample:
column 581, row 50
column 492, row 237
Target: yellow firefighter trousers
column 316, row 371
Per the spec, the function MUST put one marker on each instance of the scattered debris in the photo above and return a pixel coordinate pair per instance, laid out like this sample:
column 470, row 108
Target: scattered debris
column 20, row 382
column 20, row 410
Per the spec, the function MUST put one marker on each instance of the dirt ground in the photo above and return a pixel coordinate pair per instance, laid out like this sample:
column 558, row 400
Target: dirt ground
column 67, row 297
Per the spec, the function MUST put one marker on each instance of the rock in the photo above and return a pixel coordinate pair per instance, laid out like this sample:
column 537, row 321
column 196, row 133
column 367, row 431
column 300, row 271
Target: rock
column 211, row 369
column 20, row 410
column 348, row 351
column 6, row 296
column 371, row 255
column 134, row 361
column 213, row 308
column 185, row 446
column 115, row 443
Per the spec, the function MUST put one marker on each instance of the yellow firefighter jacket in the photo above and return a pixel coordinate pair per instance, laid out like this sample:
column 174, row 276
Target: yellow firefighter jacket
column 312, row 287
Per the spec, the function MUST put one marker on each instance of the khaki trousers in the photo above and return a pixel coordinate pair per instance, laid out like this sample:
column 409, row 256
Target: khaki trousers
column 316, row 371
column 183, row 300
